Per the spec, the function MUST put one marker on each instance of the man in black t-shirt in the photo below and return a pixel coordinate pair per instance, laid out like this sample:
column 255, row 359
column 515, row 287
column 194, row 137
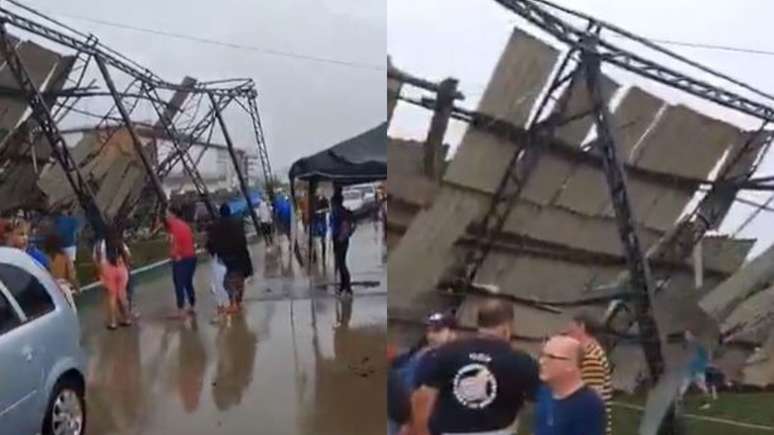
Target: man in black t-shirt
column 474, row 385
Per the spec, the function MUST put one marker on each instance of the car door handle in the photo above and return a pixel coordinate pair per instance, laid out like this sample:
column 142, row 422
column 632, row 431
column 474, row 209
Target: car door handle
column 27, row 353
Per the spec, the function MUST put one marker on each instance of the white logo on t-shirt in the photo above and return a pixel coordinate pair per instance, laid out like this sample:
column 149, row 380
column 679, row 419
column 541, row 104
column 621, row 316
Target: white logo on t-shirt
column 475, row 387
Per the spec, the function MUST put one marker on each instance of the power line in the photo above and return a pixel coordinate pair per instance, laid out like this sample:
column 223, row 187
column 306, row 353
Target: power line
column 269, row 51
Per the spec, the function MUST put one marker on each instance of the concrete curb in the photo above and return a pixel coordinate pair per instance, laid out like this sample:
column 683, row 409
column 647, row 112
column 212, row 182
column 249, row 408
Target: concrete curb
column 252, row 237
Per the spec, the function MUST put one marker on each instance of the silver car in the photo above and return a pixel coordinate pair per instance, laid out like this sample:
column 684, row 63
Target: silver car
column 42, row 365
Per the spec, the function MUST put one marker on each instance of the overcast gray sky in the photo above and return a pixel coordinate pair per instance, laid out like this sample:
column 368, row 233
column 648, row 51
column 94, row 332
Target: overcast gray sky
column 306, row 105
column 463, row 39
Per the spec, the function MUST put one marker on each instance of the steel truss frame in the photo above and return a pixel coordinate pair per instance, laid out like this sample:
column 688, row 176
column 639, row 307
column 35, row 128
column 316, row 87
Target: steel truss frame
column 89, row 49
column 593, row 51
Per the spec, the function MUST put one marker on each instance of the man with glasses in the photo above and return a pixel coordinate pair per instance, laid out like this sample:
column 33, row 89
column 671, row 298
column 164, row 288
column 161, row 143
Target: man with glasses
column 474, row 385
column 566, row 406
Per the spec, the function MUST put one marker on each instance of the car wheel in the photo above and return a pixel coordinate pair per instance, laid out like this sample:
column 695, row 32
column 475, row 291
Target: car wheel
column 66, row 410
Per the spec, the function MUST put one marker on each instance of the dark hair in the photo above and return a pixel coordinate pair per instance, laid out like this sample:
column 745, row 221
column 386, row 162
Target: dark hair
column 493, row 313
column 53, row 244
column 114, row 245
column 590, row 323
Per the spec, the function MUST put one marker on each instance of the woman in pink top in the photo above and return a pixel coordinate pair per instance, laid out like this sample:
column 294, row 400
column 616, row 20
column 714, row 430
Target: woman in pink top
column 111, row 257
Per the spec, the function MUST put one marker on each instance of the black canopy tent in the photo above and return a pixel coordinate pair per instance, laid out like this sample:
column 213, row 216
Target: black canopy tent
column 360, row 159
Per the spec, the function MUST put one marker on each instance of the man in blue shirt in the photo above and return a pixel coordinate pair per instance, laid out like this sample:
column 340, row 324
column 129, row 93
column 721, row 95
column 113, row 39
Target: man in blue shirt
column 67, row 228
column 696, row 371
column 565, row 405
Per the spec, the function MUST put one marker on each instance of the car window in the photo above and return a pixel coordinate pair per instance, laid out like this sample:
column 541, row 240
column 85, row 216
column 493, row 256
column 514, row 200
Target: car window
column 8, row 317
column 29, row 293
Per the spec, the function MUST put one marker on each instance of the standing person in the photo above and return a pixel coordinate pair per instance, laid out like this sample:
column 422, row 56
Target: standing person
column 218, row 272
column 265, row 217
column 343, row 226
column 18, row 236
column 320, row 223
column 566, row 406
column 595, row 367
column 474, row 385
column 696, row 371
column 235, row 255
column 439, row 330
column 182, row 252
column 67, row 228
column 62, row 267
column 111, row 257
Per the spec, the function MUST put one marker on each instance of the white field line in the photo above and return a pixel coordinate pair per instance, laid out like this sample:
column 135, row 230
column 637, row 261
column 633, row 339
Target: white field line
column 705, row 418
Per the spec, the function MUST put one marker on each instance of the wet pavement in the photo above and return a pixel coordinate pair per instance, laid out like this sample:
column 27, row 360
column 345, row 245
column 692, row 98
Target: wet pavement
column 298, row 361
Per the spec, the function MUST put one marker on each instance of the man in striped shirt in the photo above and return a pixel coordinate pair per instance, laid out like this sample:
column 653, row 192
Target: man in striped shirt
column 595, row 368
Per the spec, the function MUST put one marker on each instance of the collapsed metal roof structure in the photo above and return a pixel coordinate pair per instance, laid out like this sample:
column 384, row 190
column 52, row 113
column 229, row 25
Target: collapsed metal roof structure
column 572, row 191
column 113, row 170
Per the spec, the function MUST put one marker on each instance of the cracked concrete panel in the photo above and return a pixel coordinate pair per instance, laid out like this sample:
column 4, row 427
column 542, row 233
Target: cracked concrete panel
column 39, row 63
column 518, row 79
column 481, row 161
column 17, row 187
column 685, row 142
column 632, row 118
column 404, row 157
column 547, row 279
column 752, row 319
column 528, row 321
column 417, row 190
column 52, row 180
column 426, row 252
column 731, row 361
column 111, row 182
column 130, row 187
column 548, row 178
column 759, row 368
column 557, row 225
column 586, row 192
column 667, row 208
column 578, row 103
column 725, row 254
column 754, row 276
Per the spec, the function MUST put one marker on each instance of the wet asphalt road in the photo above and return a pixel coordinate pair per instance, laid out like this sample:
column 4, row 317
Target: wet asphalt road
column 298, row 361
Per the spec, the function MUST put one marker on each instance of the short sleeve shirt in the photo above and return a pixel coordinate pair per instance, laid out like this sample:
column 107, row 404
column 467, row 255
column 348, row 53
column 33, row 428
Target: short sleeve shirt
column 581, row 413
column 482, row 384
column 183, row 238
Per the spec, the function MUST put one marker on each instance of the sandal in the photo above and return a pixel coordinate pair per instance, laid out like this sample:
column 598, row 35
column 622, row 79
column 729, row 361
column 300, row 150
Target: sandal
column 111, row 327
column 125, row 324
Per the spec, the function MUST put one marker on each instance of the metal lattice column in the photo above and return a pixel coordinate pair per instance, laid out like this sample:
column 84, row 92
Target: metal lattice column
column 235, row 161
column 263, row 152
column 42, row 114
column 185, row 158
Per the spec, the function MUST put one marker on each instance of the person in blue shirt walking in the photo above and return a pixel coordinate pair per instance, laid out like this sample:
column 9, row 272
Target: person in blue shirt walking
column 565, row 405
column 67, row 228
column 696, row 371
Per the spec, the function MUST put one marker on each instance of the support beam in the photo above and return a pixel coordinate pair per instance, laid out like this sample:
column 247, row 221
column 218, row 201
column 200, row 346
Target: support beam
column 165, row 121
column 519, row 168
column 42, row 114
column 639, row 270
column 444, row 105
column 263, row 152
column 149, row 169
column 235, row 160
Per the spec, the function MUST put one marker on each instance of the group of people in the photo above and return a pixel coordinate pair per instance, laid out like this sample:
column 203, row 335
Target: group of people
column 478, row 383
column 58, row 239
